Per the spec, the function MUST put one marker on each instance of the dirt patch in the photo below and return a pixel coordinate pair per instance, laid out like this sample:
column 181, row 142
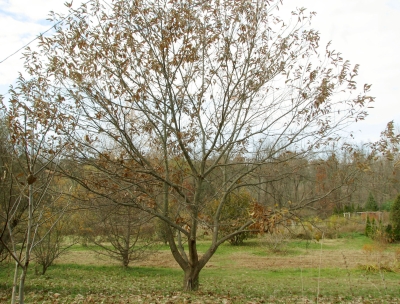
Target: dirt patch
column 85, row 258
column 312, row 259
column 309, row 259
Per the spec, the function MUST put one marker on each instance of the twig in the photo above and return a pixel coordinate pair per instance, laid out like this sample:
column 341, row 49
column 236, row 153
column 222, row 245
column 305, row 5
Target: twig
column 319, row 267
column 348, row 274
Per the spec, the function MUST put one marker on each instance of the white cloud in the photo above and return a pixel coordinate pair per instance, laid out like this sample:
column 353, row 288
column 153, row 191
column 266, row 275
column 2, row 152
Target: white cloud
column 20, row 22
column 365, row 32
column 395, row 4
column 32, row 10
column 13, row 40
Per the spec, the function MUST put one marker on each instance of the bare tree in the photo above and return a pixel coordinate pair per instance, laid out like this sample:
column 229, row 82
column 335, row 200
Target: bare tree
column 177, row 104
column 9, row 192
column 122, row 232
column 53, row 242
column 31, row 121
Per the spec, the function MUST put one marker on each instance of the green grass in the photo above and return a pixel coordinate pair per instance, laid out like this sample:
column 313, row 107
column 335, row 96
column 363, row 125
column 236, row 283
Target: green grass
column 218, row 284
column 332, row 282
column 349, row 242
column 71, row 281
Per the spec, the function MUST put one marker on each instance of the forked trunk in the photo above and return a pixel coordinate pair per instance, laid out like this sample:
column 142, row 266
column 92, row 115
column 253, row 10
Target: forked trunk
column 191, row 279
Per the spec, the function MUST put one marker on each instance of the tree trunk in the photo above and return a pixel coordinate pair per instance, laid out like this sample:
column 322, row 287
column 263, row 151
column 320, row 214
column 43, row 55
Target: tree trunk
column 22, row 285
column 28, row 246
column 125, row 259
column 45, row 265
column 14, row 289
column 191, row 279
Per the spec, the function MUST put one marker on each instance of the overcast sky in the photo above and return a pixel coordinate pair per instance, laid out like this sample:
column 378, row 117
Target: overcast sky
column 366, row 32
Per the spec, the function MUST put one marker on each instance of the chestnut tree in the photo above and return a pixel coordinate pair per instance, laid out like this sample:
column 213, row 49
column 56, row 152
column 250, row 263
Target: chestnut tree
column 175, row 105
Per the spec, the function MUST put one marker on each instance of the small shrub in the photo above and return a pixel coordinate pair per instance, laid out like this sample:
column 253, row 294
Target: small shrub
column 52, row 245
column 374, row 228
column 387, row 206
column 334, row 225
column 238, row 239
column 395, row 219
column 368, row 249
column 368, row 227
column 371, row 204
column 277, row 241
column 375, row 268
column 375, row 258
column 306, row 235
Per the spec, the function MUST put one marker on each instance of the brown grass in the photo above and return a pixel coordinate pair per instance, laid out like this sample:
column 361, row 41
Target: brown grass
column 338, row 258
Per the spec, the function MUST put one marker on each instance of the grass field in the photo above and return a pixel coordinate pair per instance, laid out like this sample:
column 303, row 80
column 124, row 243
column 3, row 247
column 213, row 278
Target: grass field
column 344, row 270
